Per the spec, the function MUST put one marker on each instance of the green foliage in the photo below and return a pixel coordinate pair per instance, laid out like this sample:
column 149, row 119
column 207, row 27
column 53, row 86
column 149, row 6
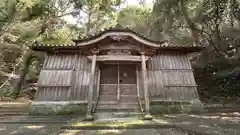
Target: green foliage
column 63, row 35
column 34, row 8
column 133, row 16
column 213, row 23
column 5, row 91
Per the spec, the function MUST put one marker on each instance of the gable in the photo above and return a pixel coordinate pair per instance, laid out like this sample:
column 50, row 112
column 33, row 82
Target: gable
column 114, row 35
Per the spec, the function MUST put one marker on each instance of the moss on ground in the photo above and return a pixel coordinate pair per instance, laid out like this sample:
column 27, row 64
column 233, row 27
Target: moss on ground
column 58, row 109
column 194, row 106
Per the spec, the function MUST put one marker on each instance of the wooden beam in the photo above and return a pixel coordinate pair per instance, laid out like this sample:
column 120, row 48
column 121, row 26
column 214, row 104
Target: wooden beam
column 145, row 83
column 118, row 58
column 181, row 85
column 138, row 91
column 118, row 88
column 90, row 91
column 98, row 89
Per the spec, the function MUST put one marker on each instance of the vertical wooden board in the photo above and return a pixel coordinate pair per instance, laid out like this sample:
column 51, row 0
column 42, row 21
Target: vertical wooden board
column 59, row 61
column 85, row 83
column 83, row 63
column 150, row 82
column 80, row 85
column 171, row 93
column 188, row 63
column 128, row 90
column 149, row 63
column 52, row 94
column 48, row 59
column 50, row 63
column 180, row 64
column 158, row 82
column 184, row 76
column 196, row 93
column 54, row 61
column 45, row 60
column 150, row 76
column 55, row 78
column 156, row 63
column 185, row 93
column 163, row 63
column 140, row 84
column 173, row 61
column 170, row 58
column 79, row 91
column 95, row 84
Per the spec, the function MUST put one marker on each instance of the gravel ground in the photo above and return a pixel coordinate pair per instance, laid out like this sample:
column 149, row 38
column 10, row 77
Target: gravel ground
column 124, row 132
column 29, row 129
column 208, row 124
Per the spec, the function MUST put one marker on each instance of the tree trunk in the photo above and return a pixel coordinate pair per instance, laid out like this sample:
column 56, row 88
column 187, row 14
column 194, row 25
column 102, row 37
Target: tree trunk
column 26, row 63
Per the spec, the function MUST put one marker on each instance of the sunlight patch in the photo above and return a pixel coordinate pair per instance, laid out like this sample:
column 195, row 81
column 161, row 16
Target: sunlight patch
column 171, row 116
column 161, row 121
column 83, row 124
column 70, row 132
column 205, row 117
column 33, row 126
column 133, row 122
column 1, row 129
column 210, row 117
column 109, row 131
column 204, row 126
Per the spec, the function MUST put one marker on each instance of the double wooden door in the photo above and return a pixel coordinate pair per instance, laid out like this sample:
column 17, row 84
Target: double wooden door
column 118, row 87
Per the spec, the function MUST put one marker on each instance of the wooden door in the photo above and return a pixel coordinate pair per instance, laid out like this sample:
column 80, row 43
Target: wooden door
column 127, row 84
column 118, row 88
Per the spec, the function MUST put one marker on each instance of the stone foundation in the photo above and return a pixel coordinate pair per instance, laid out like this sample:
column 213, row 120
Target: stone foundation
column 167, row 107
column 58, row 108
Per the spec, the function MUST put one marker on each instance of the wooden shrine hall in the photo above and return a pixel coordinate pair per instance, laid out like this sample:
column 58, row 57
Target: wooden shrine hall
column 116, row 70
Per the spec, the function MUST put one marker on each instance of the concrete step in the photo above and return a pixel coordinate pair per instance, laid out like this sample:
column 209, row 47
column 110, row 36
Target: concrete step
column 14, row 110
column 117, row 115
column 118, row 106
column 14, row 105
column 123, row 98
column 13, row 113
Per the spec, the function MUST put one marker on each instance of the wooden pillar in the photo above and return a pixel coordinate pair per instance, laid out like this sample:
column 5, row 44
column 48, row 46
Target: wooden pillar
column 91, row 85
column 145, row 86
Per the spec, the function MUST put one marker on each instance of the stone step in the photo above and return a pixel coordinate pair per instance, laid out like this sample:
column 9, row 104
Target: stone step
column 117, row 110
column 14, row 110
column 116, row 103
column 123, row 98
column 13, row 113
column 13, row 105
column 118, row 106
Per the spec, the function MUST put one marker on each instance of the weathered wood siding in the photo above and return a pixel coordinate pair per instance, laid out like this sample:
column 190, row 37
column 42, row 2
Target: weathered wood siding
column 64, row 77
column 170, row 77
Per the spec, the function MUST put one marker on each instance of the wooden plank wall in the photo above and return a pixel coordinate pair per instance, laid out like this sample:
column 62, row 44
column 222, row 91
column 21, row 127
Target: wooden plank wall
column 170, row 77
column 140, row 79
column 64, row 77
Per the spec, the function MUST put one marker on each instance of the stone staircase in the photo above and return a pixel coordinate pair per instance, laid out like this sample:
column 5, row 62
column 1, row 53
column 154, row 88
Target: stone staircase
column 127, row 103
column 11, row 108
column 115, row 106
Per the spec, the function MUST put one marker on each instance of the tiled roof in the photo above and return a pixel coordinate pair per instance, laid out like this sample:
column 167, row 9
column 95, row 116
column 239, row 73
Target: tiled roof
column 116, row 29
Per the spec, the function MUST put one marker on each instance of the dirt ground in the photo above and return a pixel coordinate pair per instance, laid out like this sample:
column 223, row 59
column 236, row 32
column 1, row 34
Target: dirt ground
column 204, row 124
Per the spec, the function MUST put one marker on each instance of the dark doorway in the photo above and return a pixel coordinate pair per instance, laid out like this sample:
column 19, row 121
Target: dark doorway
column 118, row 88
